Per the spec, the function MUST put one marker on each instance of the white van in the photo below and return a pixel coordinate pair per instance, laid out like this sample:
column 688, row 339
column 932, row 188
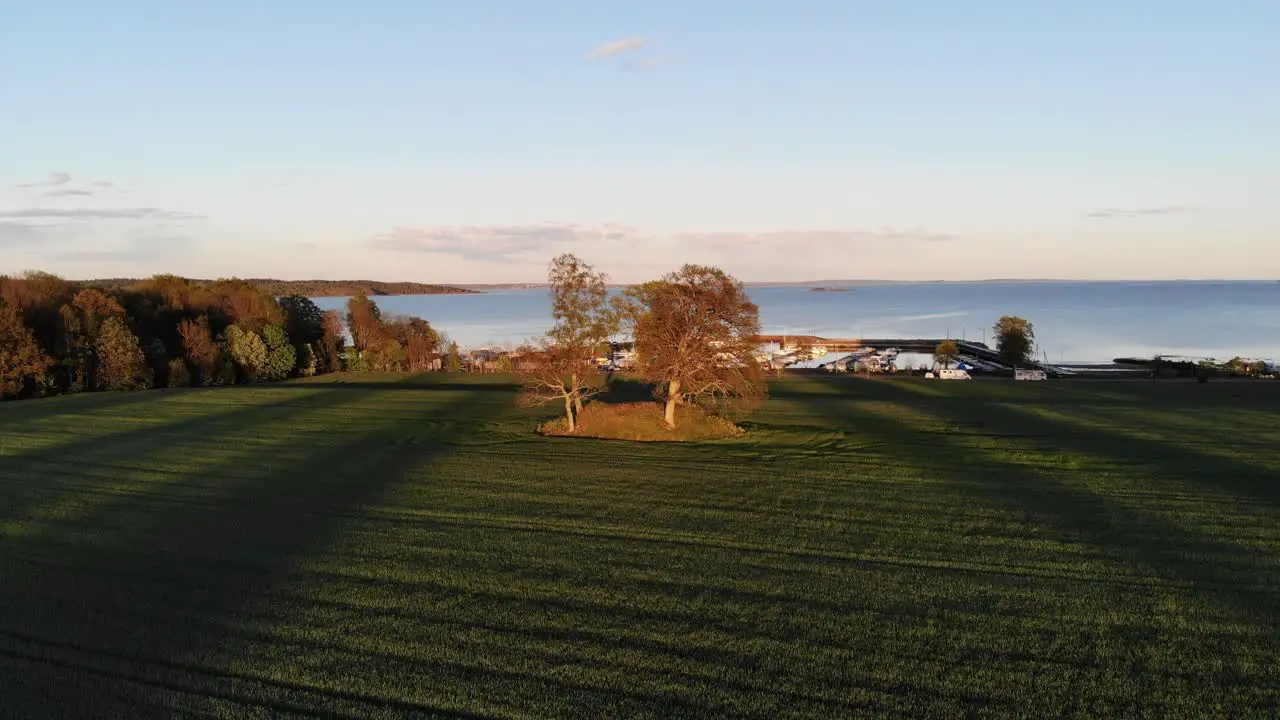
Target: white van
column 953, row 374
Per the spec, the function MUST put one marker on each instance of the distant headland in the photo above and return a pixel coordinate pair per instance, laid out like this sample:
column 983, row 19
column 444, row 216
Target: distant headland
column 313, row 288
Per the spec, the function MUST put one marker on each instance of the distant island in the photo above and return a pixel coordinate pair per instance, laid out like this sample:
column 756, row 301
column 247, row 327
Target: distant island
column 829, row 289
column 311, row 288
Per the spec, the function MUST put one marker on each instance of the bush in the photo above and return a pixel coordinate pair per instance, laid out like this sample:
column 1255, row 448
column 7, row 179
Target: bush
column 179, row 375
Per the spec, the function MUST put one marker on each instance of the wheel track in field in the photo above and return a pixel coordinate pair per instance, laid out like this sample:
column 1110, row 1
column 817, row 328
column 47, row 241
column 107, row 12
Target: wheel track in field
column 151, row 672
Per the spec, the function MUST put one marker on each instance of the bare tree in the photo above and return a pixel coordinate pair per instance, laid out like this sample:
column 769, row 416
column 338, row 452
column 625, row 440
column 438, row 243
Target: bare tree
column 558, row 366
column 551, row 372
column 696, row 336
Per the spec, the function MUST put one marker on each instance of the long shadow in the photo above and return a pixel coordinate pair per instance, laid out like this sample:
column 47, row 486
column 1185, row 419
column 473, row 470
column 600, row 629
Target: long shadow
column 24, row 476
column 1078, row 430
column 115, row 609
column 20, row 414
column 1214, row 572
column 1218, row 571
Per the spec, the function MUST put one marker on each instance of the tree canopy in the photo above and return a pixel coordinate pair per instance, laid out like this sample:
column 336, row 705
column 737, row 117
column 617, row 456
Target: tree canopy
column 695, row 336
column 1015, row 339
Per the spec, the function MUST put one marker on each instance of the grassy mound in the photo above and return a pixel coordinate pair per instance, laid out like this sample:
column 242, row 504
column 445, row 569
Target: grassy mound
column 642, row 422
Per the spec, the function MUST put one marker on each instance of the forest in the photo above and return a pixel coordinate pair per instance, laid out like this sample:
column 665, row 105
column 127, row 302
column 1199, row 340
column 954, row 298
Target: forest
column 59, row 336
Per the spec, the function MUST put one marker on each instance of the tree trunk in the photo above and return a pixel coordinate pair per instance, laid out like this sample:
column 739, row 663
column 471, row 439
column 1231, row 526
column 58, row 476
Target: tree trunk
column 568, row 413
column 673, row 394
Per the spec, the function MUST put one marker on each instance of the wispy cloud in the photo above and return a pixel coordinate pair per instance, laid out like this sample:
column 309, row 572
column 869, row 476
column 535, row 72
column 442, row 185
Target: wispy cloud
column 98, row 214
column 138, row 249
column 59, row 185
column 531, row 246
column 799, row 239
column 19, row 233
column 1141, row 212
column 617, row 47
column 502, row 243
column 55, row 179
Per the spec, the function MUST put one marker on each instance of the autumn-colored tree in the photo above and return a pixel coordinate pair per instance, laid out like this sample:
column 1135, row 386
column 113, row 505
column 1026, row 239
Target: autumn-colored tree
column 696, row 337
column 946, row 353
column 200, row 350
column 246, row 306
column 121, row 362
column 23, row 364
column 39, row 297
column 1015, row 338
column 332, row 343
column 82, row 320
column 364, row 320
column 420, row 341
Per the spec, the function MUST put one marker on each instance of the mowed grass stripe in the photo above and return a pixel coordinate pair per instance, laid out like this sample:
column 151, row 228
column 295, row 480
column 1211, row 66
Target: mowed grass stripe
column 404, row 546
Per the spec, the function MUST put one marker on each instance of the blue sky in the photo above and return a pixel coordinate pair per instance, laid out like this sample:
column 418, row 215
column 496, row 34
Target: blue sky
column 473, row 141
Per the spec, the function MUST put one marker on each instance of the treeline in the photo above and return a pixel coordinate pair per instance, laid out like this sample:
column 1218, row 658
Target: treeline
column 305, row 288
column 58, row 336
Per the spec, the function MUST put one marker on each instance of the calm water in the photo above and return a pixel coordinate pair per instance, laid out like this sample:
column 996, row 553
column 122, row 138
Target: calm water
column 1074, row 322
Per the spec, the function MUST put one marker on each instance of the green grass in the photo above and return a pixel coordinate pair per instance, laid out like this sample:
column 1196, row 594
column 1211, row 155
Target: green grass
column 409, row 547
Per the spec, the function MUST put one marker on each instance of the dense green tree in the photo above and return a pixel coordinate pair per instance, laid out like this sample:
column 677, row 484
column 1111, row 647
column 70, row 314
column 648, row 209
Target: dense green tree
column 282, row 357
column 453, row 359
column 304, row 321
column 248, row 351
column 121, row 362
column 1015, row 339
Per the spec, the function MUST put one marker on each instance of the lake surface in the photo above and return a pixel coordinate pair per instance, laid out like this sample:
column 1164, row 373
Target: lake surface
column 1074, row 321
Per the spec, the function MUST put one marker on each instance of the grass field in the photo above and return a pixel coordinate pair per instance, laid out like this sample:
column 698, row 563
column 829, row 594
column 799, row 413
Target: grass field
column 407, row 547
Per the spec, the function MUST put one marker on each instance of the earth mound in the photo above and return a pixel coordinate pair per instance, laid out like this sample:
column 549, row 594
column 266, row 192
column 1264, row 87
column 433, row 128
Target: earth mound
column 643, row 422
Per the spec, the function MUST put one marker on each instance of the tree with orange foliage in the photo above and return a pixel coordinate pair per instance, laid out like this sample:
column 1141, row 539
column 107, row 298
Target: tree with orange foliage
column 201, row 351
column 82, row 321
column 246, row 306
column 419, row 341
column 22, row 363
column 695, row 337
column 364, row 320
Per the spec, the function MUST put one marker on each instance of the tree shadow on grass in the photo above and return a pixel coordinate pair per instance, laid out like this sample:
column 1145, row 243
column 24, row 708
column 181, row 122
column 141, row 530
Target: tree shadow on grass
column 1238, row 580
column 1221, row 569
column 138, row 604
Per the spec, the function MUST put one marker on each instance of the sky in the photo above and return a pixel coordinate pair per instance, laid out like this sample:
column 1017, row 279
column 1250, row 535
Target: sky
column 471, row 142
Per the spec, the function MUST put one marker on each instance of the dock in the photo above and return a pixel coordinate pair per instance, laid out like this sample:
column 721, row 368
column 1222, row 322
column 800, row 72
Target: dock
column 924, row 346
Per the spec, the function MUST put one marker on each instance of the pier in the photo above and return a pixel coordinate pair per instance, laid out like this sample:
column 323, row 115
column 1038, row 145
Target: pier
column 924, row 346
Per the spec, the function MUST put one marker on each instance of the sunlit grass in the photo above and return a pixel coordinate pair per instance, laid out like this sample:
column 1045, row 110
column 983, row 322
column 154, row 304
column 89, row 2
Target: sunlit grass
column 390, row 546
